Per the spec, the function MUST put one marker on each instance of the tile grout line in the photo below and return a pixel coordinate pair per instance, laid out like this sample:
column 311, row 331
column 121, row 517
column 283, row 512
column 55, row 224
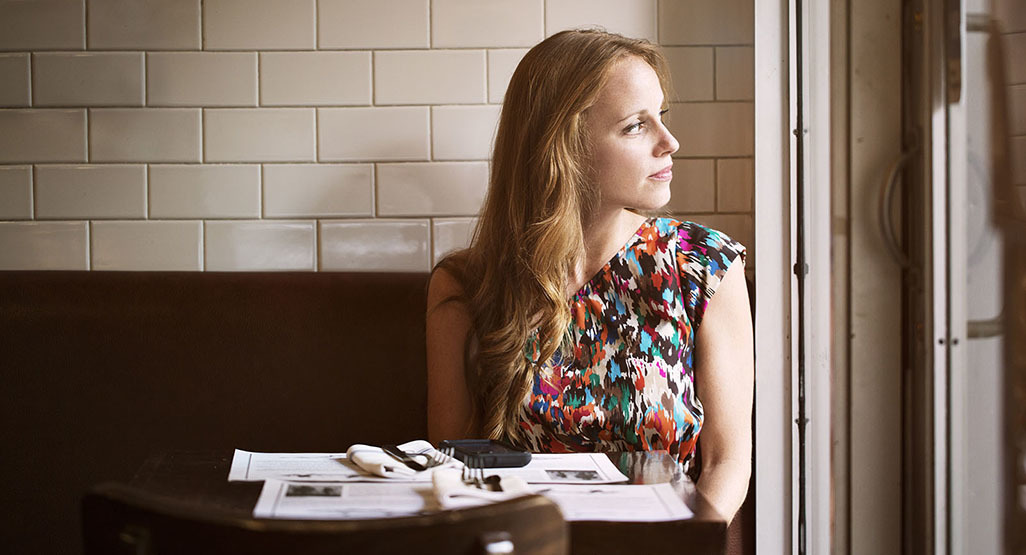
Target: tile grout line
column 89, row 245
column 316, row 245
column 32, row 193
column 374, row 190
column 397, row 49
column 716, row 183
column 163, row 107
column 716, row 93
column 431, row 242
column 658, row 17
column 374, row 89
column 145, row 72
column 202, row 137
column 202, row 31
column 203, row 246
column 85, row 24
column 88, row 143
column 31, row 76
column 545, row 18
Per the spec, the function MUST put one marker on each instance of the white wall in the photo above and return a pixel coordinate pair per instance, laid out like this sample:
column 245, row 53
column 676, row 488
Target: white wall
column 312, row 135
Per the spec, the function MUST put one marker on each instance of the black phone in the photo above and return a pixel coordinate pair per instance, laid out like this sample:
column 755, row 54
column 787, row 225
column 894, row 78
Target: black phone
column 487, row 453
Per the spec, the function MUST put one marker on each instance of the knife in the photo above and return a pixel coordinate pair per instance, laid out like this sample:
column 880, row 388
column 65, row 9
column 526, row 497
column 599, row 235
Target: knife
column 402, row 457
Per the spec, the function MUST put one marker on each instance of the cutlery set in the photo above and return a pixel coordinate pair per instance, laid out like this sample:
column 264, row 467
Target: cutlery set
column 473, row 469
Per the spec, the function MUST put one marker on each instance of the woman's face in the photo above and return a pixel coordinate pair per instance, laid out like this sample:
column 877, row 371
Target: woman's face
column 630, row 146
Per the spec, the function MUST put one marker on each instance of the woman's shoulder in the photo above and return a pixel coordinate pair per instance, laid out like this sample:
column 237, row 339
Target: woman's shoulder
column 691, row 235
column 444, row 284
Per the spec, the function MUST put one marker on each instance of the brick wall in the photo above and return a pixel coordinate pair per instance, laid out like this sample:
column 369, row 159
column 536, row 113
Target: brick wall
column 313, row 134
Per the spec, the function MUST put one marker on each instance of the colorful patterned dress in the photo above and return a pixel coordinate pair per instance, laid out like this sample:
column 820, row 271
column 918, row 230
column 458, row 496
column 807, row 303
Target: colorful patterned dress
column 625, row 380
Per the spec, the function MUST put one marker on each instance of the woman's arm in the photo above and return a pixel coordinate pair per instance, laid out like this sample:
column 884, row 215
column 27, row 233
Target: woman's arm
column 448, row 324
column 724, row 375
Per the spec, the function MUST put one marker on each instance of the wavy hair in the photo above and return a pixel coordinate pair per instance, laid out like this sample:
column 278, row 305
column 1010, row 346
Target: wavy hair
column 529, row 234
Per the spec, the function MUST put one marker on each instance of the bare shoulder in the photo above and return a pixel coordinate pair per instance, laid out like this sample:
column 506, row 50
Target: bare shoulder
column 449, row 407
column 443, row 286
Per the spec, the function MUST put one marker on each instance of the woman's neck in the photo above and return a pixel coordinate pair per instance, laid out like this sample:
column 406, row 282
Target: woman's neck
column 604, row 235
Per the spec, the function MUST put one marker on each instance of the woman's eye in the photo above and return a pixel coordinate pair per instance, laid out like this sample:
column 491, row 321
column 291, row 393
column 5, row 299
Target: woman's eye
column 633, row 128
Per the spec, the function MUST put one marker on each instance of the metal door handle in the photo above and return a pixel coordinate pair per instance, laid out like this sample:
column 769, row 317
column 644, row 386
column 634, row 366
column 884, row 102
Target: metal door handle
column 884, row 204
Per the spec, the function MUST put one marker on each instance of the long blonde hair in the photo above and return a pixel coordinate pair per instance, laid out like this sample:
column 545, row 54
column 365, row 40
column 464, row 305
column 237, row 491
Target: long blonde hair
column 529, row 234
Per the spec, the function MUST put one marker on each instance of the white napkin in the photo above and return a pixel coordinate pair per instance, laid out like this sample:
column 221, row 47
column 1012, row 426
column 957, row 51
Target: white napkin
column 375, row 461
column 452, row 493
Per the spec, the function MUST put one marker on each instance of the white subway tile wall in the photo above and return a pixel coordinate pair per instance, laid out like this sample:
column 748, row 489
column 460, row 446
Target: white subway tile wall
column 388, row 133
column 735, row 75
column 316, row 135
column 259, row 135
column 501, row 64
column 44, row 245
column 315, row 78
column 463, row 132
column 194, row 191
column 87, row 79
column 259, row 24
column 144, row 135
column 375, row 245
column 634, row 18
column 14, row 80
column 693, row 188
column 151, row 245
column 495, row 23
column 373, row 24
column 1012, row 15
column 42, row 25
column 318, row 190
column 450, row 234
column 691, row 71
column 201, row 79
column 430, row 77
column 46, row 135
column 15, row 192
column 431, row 188
column 143, row 25
column 96, row 192
column 260, row 246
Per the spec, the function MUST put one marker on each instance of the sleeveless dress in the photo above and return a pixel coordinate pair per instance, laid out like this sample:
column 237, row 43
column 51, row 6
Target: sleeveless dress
column 624, row 379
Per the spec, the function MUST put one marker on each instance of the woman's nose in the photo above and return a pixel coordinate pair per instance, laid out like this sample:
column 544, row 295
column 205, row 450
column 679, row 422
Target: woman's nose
column 667, row 143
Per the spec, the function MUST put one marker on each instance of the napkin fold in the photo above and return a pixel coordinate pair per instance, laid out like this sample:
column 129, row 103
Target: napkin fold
column 373, row 460
column 452, row 493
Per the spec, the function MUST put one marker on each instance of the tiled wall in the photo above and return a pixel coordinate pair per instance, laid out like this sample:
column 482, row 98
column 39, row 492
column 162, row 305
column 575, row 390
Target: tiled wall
column 1011, row 14
column 312, row 134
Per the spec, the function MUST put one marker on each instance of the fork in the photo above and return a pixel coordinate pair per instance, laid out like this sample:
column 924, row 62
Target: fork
column 437, row 457
column 473, row 473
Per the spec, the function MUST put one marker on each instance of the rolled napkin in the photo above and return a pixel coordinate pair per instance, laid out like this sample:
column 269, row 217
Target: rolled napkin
column 452, row 493
column 373, row 460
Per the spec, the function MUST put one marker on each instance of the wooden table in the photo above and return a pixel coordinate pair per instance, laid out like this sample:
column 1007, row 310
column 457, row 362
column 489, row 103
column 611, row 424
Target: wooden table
column 201, row 478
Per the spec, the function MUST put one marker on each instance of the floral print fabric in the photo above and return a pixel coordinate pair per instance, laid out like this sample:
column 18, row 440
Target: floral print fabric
column 624, row 379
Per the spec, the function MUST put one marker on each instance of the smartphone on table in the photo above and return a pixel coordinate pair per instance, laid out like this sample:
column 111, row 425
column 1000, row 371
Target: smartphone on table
column 487, row 453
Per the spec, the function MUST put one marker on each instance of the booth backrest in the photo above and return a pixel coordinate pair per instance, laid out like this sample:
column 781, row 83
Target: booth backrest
column 101, row 369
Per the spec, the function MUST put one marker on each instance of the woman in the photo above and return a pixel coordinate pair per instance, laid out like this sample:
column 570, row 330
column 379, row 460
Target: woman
column 573, row 322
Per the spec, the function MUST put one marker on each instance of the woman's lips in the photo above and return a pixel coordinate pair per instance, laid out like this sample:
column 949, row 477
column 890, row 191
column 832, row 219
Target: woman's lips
column 664, row 174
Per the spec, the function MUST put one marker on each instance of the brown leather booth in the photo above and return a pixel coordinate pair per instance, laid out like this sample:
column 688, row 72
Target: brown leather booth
column 100, row 369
